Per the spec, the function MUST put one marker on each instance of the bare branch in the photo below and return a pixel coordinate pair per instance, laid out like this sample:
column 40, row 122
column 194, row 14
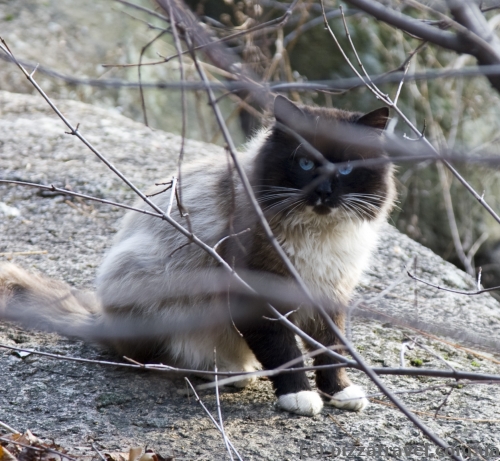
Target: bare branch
column 70, row 193
column 38, row 449
column 219, row 428
column 408, row 24
column 451, row 290
column 8, row 428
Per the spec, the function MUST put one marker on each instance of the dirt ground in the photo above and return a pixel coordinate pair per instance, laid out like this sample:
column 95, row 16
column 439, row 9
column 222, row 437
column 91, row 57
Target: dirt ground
column 79, row 404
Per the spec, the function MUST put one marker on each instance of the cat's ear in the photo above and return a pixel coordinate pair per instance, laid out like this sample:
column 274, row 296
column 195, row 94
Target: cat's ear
column 286, row 112
column 377, row 118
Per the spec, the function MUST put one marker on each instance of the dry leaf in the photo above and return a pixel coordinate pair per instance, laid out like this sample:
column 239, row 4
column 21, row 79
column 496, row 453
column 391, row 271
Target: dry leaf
column 27, row 438
column 5, row 455
column 115, row 456
column 134, row 453
column 148, row 457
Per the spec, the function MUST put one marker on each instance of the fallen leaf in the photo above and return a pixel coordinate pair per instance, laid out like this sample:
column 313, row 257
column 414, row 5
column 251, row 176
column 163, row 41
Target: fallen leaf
column 5, row 455
column 134, row 453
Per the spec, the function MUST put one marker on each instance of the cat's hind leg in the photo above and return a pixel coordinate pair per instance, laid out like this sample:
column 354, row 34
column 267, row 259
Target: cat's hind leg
column 203, row 351
column 241, row 383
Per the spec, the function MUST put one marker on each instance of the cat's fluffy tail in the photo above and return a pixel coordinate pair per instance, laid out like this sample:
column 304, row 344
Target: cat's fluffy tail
column 44, row 304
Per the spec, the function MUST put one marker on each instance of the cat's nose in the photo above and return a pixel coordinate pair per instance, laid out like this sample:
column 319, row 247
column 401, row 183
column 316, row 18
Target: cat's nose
column 324, row 190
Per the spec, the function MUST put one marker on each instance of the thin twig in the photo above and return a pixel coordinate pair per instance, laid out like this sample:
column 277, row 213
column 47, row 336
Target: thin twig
column 178, row 48
column 197, row 398
column 346, row 28
column 430, row 351
column 451, row 290
column 232, row 375
column 223, row 239
column 450, row 418
column 337, row 423
column 404, row 345
column 452, row 222
column 142, row 8
column 173, row 184
column 283, row 369
column 24, row 253
column 324, row 85
column 368, row 84
column 219, row 410
column 470, row 448
column 52, row 188
column 8, row 428
column 94, row 446
column 444, row 402
column 400, row 87
column 39, row 449
column 139, row 73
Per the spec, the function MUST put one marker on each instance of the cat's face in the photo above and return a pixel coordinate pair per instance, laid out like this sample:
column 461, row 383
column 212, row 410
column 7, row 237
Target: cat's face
column 288, row 177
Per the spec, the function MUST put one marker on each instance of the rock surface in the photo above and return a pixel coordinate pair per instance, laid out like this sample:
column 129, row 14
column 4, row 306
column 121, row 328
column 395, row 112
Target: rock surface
column 77, row 403
column 71, row 41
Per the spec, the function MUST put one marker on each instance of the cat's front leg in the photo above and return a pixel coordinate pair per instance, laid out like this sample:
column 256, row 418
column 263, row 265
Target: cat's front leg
column 334, row 381
column 274, row 345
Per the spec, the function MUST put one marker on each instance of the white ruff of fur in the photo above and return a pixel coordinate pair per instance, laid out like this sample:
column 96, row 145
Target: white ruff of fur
column 330, row 252
column 305, row 403
column 351, row 398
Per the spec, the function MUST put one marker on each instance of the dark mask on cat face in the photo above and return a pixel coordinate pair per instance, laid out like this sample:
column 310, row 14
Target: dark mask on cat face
column 288, row 176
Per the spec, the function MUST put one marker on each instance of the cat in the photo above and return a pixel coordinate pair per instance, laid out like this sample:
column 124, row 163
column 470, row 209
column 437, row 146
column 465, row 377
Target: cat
column 160, row 298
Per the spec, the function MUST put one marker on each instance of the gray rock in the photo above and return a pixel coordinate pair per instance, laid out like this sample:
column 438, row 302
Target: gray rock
column 78, row 403
column 72, row 40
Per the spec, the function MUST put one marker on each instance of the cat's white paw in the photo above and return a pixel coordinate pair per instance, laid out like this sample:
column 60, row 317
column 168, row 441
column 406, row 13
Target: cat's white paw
column 305, row 403
column 351, row 398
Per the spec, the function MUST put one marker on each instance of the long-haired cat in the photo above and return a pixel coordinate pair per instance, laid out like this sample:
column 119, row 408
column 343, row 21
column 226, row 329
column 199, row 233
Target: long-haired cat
column 160, row 298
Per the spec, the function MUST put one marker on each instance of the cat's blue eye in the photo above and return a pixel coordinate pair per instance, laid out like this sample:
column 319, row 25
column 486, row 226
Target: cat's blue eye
column 306, row 164
column 346, row 169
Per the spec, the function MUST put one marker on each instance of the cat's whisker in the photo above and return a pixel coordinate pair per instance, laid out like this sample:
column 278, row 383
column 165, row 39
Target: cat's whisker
column 292, row 205
column 363, row 197
column 358, row 209
column 300, row 202
column 275, row 204
column 359, row 194
column 347, row 212
column 363, row 213
column 373, row 198
column 362, row 205
column 365, row 205
column 355, row 215
column 291, row 198
column 271, row 186
column 276, row 189
column 268, row 197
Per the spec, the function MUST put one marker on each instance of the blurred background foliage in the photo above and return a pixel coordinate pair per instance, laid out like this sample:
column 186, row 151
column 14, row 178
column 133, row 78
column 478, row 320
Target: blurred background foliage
column 460, row 115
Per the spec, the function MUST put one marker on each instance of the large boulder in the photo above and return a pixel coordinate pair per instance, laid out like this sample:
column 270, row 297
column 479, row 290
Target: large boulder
column 79, row 403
